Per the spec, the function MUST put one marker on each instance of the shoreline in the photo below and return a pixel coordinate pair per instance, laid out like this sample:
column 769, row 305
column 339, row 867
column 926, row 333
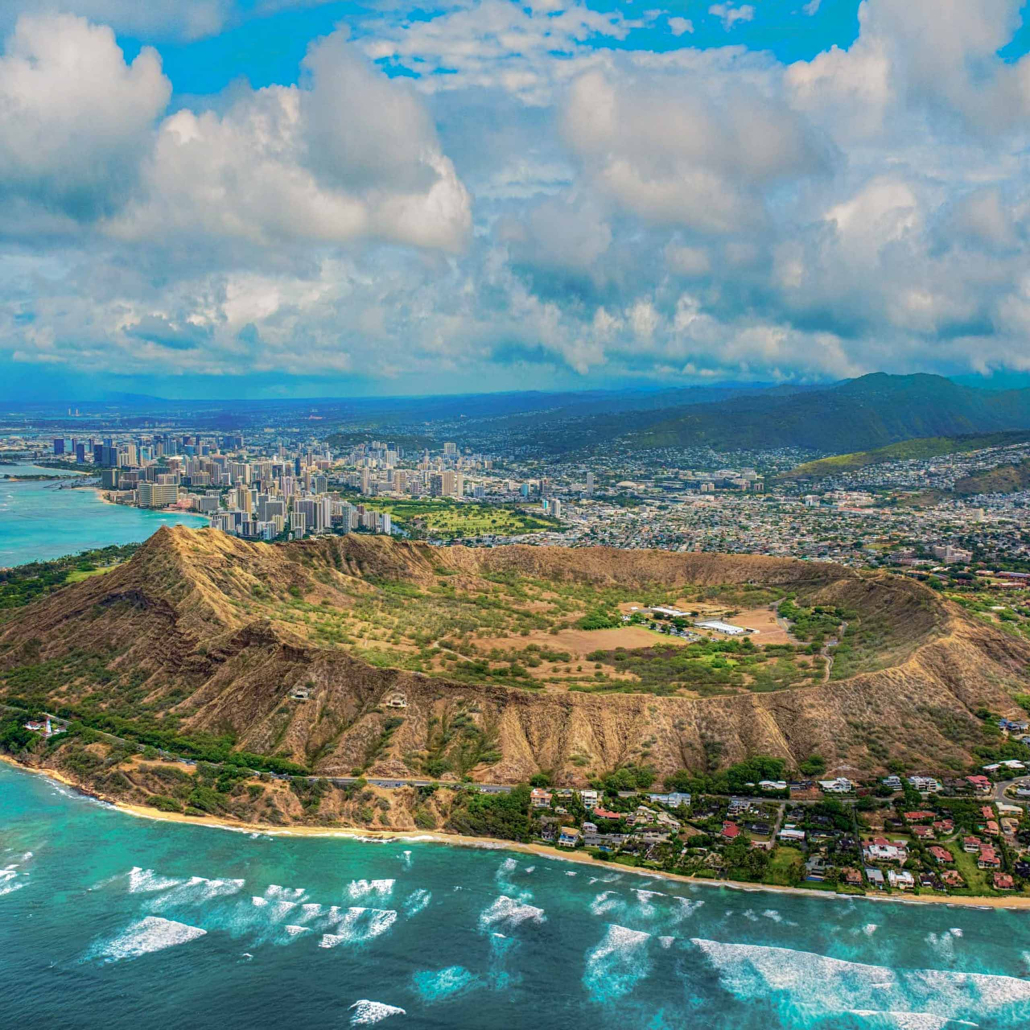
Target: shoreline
column 362, row 834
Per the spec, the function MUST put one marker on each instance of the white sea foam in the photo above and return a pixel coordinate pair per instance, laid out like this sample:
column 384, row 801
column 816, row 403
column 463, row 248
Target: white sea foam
column 416, row 901
column 12, row 876
column 827, row 985
column 296, row 931
column 869, row 929
column 605, row 902
column 147, row 935
column 144, row 881
column 943, row 943
column 909, row 1020
column 666, row 942
column 617, row 964
column 510, row 912
column 435, row 985
column 195, row 891
column 570, row 872
column 358, row 925
column 363, row 888
column 686, row 907
column 406, row 859
column 365, row 1013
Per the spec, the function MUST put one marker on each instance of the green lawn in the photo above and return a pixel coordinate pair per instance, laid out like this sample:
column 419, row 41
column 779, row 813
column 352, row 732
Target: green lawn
column 785, row 867
column 452, row 520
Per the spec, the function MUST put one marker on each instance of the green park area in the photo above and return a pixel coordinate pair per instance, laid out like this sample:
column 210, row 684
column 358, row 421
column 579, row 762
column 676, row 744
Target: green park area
column 442, row 519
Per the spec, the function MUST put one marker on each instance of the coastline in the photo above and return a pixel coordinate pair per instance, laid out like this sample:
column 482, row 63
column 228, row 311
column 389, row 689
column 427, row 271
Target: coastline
column 1015, row 902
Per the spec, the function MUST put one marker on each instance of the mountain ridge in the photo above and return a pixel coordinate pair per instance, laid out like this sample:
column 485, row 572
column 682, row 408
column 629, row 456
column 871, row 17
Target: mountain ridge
column 187, row 631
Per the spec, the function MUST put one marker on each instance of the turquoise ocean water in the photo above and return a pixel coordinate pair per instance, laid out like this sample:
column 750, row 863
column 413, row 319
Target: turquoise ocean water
column 40, row 520
column 111, row 921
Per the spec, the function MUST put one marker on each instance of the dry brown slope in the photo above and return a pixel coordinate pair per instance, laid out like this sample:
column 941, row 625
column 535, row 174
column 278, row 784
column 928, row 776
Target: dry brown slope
column 177, row 614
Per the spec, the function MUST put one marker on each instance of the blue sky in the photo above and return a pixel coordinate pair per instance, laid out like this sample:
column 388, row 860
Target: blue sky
column 216, row 198
column 266, row 49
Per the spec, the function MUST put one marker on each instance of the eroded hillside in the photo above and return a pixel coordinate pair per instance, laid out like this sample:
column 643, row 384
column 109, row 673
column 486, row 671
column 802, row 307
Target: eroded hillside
column 365, row 654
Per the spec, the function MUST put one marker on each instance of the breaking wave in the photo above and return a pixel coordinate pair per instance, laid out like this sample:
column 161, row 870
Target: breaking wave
column 365, row 1013
column 363, row 888
column 446, row 983
column 416, row 901
column 509, row 912
column 357, row 925
column 818, row 985
column 195, row 891
column 149, row 934
column 617, row 964
column 12, row 876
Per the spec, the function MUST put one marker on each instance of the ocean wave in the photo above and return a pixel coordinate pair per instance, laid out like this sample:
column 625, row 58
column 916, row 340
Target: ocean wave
column 358, row 925
column 617, row 964
column 12, row 876
column 146, row 881
column 907, row 1020
column 197, row 890
column 416, row 901
column 509, row 912
column 365, row 1013
column 821, row 985
column 605, row 902
column 147, row 935
column 439, row 985
column 363, row 888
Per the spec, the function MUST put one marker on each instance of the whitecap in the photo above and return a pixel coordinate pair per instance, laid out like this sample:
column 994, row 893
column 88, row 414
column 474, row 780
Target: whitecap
column 510, row 912
column 829, row 985
column 145, row 881
column 358, row 925
column 195, row 891
column 605, row 902
column 362, row 888
column 666, row 942
column 617, row 964
column 437, row 985
column 365, row 1013
column 416, row 901
column 147, row 935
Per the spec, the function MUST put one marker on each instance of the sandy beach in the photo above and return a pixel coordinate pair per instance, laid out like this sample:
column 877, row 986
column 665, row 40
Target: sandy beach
column 539, row 850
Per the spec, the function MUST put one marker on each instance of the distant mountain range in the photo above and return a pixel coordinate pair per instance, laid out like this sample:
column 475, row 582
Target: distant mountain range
column 857, row 414
column 854, row 415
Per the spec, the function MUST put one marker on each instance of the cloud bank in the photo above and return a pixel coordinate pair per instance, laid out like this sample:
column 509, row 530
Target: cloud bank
column 497, row 192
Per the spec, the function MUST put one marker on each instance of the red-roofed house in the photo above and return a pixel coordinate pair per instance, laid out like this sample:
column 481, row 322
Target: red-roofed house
column 918, row 817
column 980, row 784
column 1004, row 882
column 943, row 855
column 988, row 858
column 730, row 830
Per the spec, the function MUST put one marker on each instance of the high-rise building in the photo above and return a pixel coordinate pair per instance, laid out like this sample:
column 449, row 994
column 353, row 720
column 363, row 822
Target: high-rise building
column 58, row 446
column 156, row 495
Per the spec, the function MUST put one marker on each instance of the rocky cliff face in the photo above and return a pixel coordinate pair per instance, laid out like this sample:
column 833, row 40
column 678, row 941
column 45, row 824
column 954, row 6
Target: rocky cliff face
column 193, row 627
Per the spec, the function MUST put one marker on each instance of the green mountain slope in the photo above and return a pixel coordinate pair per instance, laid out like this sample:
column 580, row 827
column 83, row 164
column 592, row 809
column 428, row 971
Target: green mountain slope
column 870, row 412
column 927, row 447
